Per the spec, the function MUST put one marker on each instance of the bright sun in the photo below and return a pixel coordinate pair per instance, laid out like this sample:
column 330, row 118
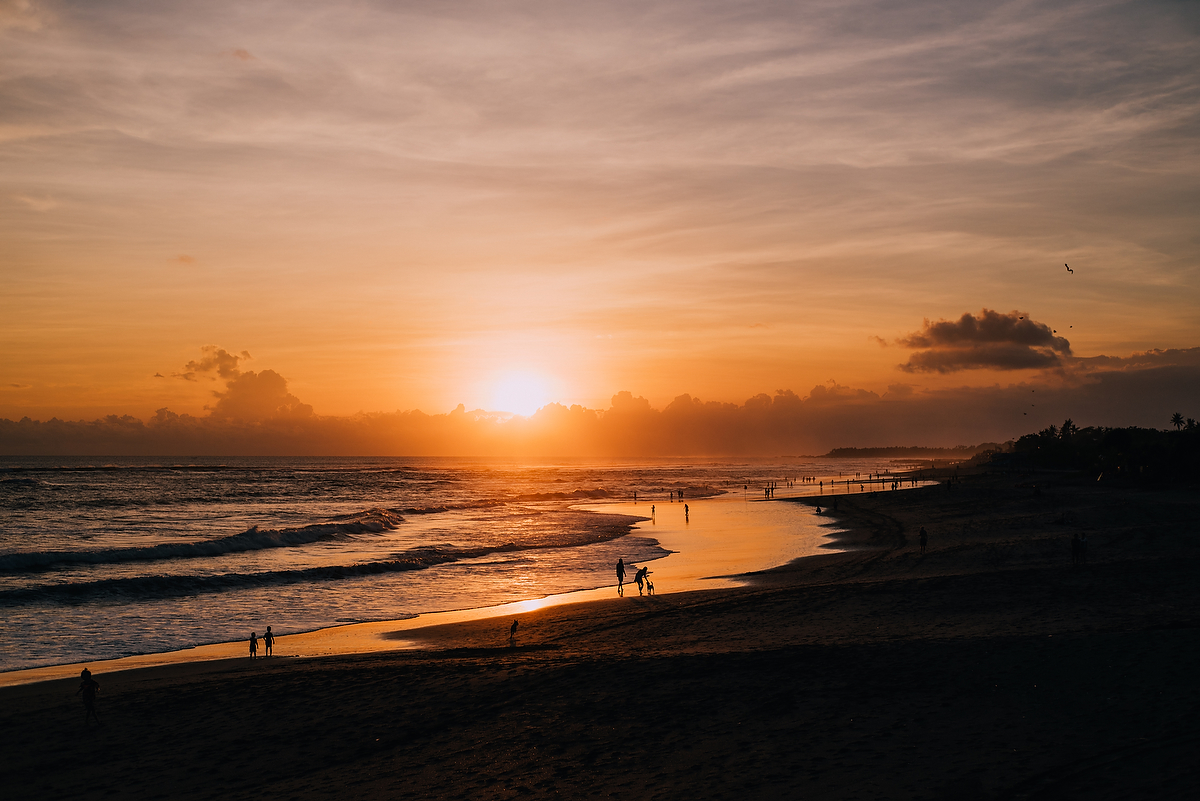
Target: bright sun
column 520, row 393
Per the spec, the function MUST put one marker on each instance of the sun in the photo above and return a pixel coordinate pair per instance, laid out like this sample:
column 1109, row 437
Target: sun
column 520, row 393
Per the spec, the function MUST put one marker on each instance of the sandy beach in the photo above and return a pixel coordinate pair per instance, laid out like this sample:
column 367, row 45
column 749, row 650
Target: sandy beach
column 988, row 667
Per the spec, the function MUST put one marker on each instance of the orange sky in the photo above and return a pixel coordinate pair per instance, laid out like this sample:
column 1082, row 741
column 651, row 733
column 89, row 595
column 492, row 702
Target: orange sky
column 397, row 206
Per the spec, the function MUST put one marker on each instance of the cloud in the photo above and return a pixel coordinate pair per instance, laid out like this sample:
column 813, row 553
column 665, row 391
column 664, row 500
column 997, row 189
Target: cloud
column 992, row 340
column 259, row 396
column 22, row 14
column 257, row 415
column 215, row 359
column 38, row 204
column 185, row 259
column 243, row 55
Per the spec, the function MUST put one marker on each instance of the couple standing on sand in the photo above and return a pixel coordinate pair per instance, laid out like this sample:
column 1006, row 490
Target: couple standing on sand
column 268, row 641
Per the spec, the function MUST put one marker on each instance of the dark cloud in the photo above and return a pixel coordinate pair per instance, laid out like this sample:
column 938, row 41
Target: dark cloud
column 992, row 340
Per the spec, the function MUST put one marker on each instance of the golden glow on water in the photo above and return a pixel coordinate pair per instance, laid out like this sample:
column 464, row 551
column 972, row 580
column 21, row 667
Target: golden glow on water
column 725, row 536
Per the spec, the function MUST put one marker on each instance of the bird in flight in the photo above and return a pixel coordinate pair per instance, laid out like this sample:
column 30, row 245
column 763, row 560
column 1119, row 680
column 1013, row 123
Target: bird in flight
column 1072, row 272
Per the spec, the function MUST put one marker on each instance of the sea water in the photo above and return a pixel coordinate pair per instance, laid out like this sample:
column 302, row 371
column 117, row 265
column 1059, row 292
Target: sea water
column 108, row 558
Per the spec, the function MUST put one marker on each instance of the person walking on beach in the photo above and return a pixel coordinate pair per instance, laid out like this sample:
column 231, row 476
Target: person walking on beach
column 640, row 578
column 253, row 645
column 924, row 537
column 686, row 513
column 621, row 576
column 512, row 632
column 268, row 641
column 89, row 687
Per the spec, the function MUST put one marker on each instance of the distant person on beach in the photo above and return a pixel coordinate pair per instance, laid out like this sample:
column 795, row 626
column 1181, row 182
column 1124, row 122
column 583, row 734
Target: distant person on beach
column 686, row 512
column 89, row 687
column 635, row 496
column 512, row 631
column 620, row 576
column 640, row 578
column 253, row 645
column 924, row 537
column 268, row 641
column 652, row 510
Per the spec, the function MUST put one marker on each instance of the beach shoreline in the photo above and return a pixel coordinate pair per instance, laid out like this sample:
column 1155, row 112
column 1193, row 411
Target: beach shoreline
column 390, row 633
column 989, row 667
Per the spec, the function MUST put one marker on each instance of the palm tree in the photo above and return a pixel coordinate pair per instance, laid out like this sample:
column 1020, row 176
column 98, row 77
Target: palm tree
column 1177, row 420
column 1068, row 428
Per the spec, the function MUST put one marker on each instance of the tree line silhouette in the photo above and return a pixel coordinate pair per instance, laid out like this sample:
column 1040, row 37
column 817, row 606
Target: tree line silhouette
column 1148, row 454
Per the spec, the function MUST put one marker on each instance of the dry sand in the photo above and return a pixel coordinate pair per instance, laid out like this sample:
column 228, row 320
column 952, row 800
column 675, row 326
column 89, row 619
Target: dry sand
column 991, row 667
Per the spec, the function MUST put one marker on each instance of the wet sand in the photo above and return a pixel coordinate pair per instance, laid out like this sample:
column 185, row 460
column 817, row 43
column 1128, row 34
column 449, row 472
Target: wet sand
column 990, row 667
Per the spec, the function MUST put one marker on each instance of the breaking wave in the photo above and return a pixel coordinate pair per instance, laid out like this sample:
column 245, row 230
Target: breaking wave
column 372, row 521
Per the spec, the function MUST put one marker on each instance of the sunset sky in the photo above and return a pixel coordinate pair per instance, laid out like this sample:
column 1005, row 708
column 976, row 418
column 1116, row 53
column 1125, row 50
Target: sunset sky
column 403, row 205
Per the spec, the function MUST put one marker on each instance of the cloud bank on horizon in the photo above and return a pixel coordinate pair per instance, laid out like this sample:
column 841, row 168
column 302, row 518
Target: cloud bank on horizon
column 256, row 414
column 397, row 204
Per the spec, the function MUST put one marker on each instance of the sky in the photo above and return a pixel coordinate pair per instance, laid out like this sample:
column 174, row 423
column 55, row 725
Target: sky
column 381, row 207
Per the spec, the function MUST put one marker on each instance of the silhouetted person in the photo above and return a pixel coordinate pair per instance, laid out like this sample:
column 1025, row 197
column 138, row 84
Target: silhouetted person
column 818, row 508
column 512, row 631
column 652, row 510
column 686, row 512
column 253, row 645
column 640, row 578
column 635, row 496
column 620, row 577
column 924, row 537
column 89, row 687
column 268, row 641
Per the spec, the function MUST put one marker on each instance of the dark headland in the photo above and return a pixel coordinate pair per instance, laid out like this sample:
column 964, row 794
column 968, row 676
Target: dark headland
column 992, row 667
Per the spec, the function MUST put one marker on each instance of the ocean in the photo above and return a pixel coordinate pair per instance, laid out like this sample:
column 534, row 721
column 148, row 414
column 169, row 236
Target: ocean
column 104, row 558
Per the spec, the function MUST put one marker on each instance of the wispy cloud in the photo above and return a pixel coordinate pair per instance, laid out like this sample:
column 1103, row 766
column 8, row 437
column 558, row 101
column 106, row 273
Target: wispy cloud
column 667, row 173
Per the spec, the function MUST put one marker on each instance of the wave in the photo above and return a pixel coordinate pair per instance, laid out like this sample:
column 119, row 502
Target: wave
column 157, row 587
column 342, row 527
